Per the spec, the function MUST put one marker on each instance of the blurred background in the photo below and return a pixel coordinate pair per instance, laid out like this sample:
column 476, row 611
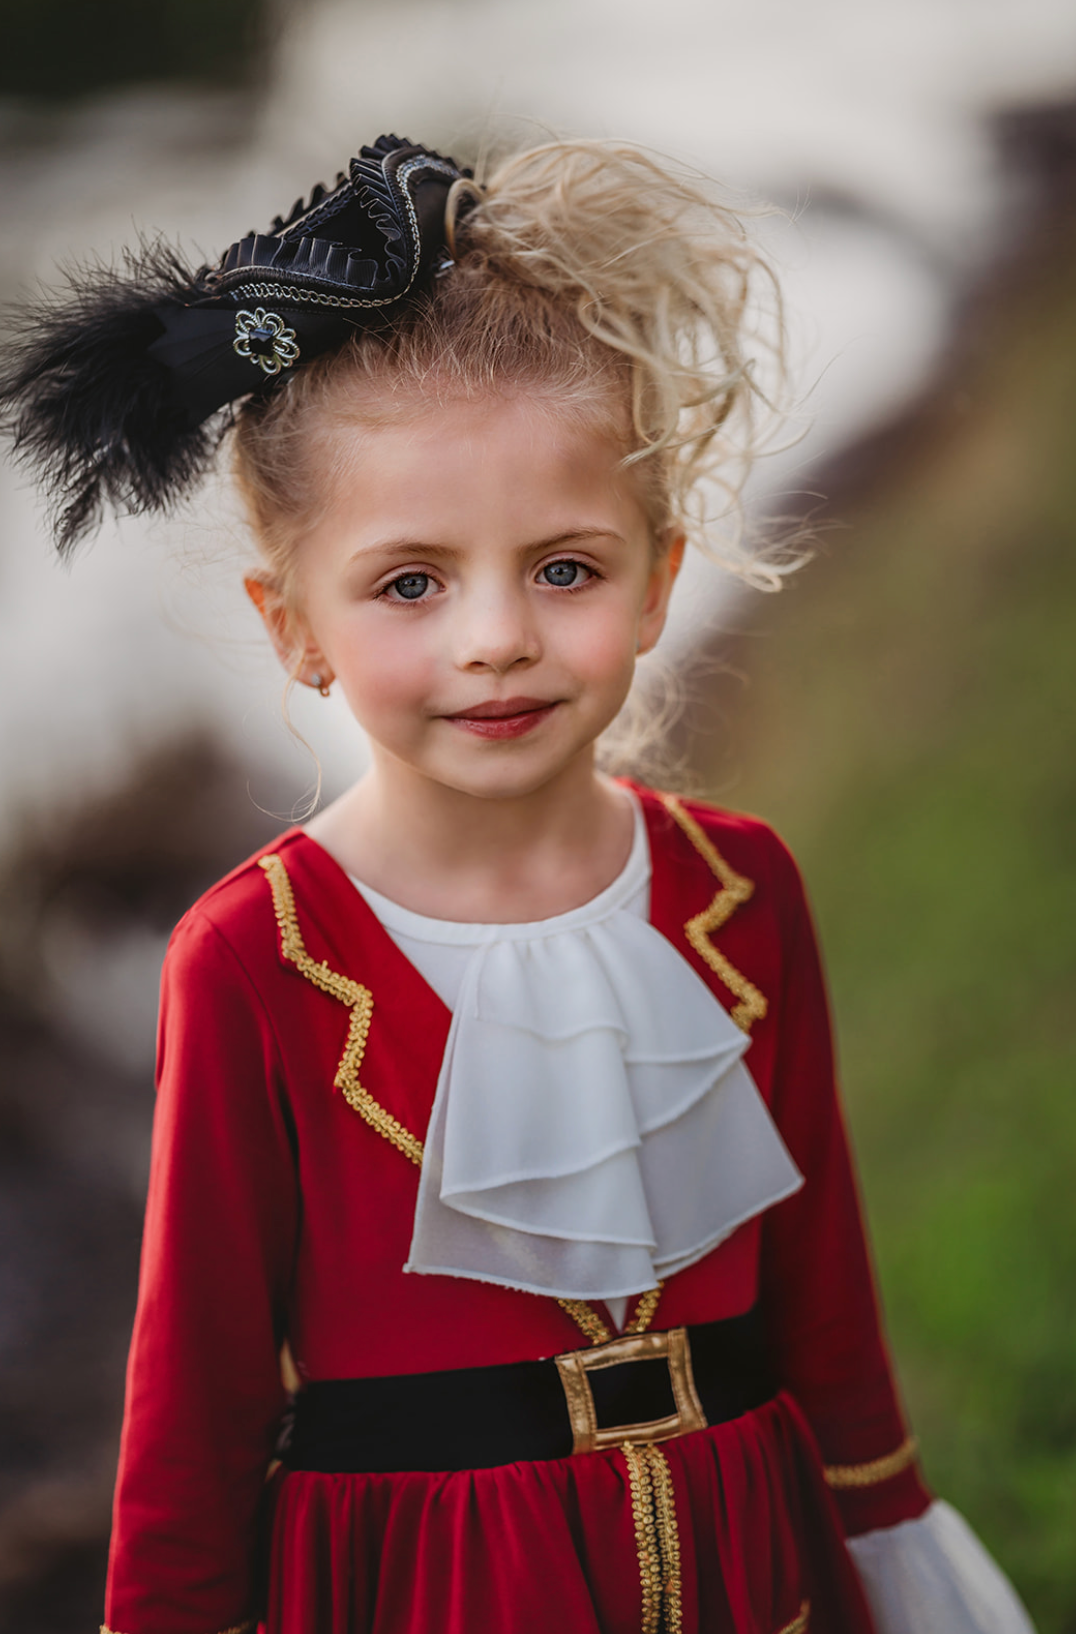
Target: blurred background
column 902, row 711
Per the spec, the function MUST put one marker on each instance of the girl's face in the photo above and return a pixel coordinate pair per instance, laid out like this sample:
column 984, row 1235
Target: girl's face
column 479, row 584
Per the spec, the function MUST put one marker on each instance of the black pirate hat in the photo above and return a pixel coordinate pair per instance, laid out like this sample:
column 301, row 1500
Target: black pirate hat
column 113, row 388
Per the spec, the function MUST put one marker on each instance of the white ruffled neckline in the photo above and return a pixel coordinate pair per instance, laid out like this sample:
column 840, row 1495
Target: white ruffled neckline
column 594, row 1128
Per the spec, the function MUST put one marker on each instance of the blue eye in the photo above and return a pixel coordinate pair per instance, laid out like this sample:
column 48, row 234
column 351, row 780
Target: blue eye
column 563, row 574
column 411, row 586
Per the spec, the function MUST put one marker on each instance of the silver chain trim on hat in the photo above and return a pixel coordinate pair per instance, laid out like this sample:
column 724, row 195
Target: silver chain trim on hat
column 289, row 292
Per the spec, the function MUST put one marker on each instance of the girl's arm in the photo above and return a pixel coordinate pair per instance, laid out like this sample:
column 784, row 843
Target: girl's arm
column 921, row 1565
column 204, row 1393
column 817, row 1281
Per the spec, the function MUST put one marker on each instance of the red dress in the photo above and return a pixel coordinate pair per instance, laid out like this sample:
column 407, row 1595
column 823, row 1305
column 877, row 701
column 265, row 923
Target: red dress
column 298, row 1059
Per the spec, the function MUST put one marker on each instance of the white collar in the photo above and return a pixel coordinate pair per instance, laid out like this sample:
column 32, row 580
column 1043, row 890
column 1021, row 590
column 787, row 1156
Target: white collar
column 594, row 1128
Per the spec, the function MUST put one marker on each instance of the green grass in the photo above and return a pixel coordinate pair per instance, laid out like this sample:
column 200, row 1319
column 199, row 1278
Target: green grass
column 909, row 724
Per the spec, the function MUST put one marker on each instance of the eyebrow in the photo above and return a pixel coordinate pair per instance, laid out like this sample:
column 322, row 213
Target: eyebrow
column 423, row 547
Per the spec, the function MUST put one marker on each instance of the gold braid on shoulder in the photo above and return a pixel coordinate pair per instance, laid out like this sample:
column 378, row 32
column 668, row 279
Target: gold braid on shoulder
column 735, row 889
column 359, row 1000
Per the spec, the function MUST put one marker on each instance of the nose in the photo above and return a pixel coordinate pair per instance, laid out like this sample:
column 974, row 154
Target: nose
column 496, row 630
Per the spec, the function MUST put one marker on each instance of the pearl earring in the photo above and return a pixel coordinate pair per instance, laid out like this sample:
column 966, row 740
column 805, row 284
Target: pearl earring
column 317, row 680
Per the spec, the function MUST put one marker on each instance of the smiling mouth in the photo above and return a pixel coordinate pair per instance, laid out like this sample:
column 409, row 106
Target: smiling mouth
column 504, row 717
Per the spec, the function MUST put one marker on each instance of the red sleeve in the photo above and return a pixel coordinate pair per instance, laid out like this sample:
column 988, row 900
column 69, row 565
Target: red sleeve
column 204, row 1394
column 817, row 1283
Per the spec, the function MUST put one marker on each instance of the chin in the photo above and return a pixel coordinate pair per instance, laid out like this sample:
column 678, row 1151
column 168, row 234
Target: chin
column 500, row 788
column 501, row 778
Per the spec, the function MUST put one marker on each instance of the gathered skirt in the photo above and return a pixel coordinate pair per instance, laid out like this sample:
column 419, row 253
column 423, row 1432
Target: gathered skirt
column 728, row 1530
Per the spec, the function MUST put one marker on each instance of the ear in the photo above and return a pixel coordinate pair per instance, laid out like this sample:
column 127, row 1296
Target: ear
column 292, row 643
column 666, row 566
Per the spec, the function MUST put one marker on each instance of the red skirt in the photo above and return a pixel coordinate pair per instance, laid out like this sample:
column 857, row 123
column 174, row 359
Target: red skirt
column 730, row 1530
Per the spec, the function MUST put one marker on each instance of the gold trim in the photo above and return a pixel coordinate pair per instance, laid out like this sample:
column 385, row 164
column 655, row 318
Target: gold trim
column 800, row 1624
column 657, row 1538
column 586, row 1320
column 645, row 1310
column 593, row 1328
column 845, row 1476
column 575, row 1365
column 735, row 889
column 646, row 1536
column 359, row 1001
column 668, row 1538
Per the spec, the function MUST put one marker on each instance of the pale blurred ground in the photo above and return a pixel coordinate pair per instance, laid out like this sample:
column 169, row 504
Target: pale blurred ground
column 869, row 124
column 138, row 704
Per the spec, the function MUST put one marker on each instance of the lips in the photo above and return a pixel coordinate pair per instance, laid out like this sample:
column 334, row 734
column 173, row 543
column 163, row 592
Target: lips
column 503, row 717
column 498, row 708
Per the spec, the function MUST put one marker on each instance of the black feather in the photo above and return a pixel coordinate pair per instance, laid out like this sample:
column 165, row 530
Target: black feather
column 117, row 388
column 89, row 407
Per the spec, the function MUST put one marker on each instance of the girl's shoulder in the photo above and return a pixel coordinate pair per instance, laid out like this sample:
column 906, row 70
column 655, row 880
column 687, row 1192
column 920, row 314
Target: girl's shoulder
column 741, row 851
column 242, row 919
column 727, row 893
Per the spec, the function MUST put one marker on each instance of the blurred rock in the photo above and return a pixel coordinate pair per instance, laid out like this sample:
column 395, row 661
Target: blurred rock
column 57, row 49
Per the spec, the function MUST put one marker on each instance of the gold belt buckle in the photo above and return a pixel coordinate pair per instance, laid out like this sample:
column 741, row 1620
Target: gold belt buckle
column 574, row 1366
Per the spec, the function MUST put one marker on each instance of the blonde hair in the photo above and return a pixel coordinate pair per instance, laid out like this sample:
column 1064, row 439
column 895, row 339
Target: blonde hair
column 610, row 285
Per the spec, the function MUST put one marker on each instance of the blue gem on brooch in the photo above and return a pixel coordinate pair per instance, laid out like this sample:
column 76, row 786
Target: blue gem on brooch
column 265, row 340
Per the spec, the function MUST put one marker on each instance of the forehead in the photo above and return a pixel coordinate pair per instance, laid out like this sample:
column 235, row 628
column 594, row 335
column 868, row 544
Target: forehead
column 497, row 462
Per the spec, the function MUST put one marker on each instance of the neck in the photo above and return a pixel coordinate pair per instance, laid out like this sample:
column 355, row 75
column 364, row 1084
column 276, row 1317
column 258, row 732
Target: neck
column 453, row 855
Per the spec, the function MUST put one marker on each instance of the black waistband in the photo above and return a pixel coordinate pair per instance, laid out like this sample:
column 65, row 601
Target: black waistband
column 479, row 1417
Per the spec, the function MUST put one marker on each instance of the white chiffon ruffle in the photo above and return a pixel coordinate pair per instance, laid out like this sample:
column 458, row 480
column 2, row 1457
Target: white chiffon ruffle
column 933, row 1573
column 594, row 1128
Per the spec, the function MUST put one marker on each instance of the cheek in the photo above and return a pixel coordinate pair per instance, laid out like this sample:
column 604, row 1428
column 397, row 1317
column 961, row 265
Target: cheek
column 384, row 666
column 601, row 647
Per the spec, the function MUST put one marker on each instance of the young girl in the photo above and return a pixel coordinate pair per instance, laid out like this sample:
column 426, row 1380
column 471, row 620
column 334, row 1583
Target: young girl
column 496, row 1120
